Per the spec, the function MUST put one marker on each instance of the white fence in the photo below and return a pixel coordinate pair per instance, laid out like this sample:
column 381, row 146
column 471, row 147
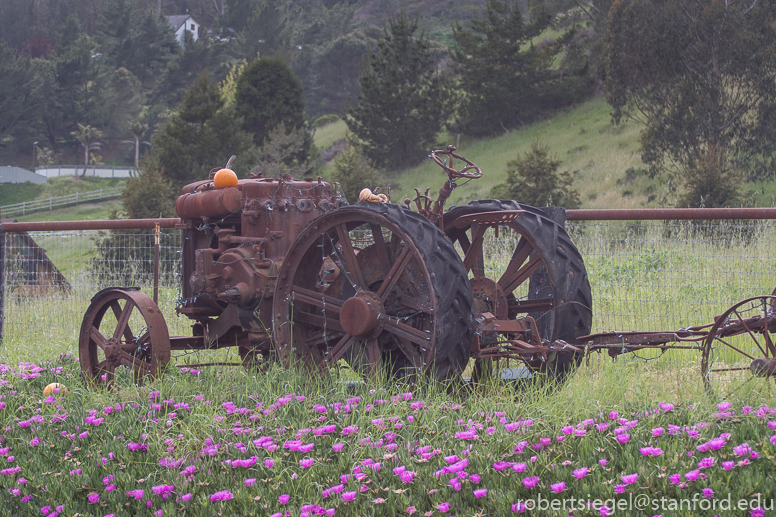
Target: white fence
column 99, row 171
column 38, row 205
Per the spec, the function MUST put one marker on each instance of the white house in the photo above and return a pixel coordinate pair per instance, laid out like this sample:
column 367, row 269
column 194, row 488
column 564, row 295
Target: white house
column 182, row 23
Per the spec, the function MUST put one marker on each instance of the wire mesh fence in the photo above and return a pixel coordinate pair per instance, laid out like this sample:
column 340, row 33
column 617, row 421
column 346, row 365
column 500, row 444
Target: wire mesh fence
column 51, row 277
column 647, row 275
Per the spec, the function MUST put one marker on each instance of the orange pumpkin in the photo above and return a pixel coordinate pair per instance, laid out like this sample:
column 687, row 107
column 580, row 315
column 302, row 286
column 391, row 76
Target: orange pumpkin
column 225, row 178
column 49, row 390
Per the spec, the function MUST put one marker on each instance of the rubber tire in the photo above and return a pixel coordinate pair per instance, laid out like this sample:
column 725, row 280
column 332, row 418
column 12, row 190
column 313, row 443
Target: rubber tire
column 455, row 324
column 564, row 265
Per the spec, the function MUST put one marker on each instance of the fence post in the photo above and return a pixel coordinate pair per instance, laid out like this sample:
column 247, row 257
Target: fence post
column 156, row 263
column 2, row 285
column 539, row 283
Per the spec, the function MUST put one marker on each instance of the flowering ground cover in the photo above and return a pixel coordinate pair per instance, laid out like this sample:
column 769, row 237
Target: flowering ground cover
column 230, row 442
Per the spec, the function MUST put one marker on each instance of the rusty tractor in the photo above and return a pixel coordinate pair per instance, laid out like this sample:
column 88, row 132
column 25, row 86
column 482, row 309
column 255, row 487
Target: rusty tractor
column 284, row 268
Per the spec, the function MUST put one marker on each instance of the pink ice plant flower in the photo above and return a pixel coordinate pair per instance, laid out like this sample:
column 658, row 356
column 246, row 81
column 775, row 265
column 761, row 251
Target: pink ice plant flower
column 629, row 478
column 580, row 473
column 530, row 482
column 223, row 495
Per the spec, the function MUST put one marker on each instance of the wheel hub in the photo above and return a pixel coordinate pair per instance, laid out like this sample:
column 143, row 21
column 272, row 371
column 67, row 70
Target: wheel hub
column 488, row 297
column 112, row 350
column 763, row 367
column 359, row 315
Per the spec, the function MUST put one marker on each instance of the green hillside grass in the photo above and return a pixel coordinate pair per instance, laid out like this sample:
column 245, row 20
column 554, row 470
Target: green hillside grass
column 11, row 193
column 605, row 159
column 582, row 137
column 326, row 136
column 84, row 212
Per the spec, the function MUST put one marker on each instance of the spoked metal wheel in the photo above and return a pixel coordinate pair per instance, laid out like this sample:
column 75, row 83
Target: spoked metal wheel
column 740, row 346
column 562, row 306
column 123, row 328
column 378, row 286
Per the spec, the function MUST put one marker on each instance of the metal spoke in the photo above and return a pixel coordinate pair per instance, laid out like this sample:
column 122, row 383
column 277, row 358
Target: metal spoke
column 381, row 247
column 97, row 337
column 518, row 277
column 519, row 256
column 734, row 348
column 346, row 246
column 339, row 350
column 317, row 299
column 318, row 321
column 133, row 362
column 751, row 334
column 410, row 352
column 473, row 260
column 393, row 275
column 405, row 331
column 373, row 357
column 122, row 327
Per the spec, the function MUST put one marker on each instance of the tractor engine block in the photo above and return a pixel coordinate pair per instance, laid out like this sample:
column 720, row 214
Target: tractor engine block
column 234, row 241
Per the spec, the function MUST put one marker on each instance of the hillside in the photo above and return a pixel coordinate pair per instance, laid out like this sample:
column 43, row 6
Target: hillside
column 608, row 169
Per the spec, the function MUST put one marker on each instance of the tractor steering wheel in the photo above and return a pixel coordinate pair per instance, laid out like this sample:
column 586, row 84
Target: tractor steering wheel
column 454, row 173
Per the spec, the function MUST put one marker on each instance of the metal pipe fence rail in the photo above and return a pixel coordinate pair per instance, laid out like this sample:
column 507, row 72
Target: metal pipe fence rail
column 38, row 205
column 666, row 270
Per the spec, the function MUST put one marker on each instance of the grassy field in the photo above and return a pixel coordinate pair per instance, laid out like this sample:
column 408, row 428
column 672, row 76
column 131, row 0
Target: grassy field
column 228, row 441
column 61, row 186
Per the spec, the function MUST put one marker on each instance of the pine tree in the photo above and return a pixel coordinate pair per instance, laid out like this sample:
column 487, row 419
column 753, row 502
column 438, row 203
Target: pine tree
column 267, row 94
column 534, row 179
column 202, row 136
column 506, row 80
column 403, row 101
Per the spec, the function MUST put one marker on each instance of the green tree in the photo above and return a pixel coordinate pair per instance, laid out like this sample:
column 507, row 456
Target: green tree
column 137, row 129
column 88, row 137
column 403, row 101
column 261, row 25
column 202, row 135
column 506, row 80
column 80, row 76
column 123, row 100
column 150, row 194
column 353, row 172
column 280, row 152
column 534, row 179
column 201, row 56
column 268, row 93
column 701, row 77
column 18, row 79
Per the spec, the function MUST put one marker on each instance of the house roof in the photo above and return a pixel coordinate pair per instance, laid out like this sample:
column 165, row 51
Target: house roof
column 179, row 19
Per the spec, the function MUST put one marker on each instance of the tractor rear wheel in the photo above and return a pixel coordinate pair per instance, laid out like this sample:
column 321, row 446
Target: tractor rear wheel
column 562, row 309
column 378, row 286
